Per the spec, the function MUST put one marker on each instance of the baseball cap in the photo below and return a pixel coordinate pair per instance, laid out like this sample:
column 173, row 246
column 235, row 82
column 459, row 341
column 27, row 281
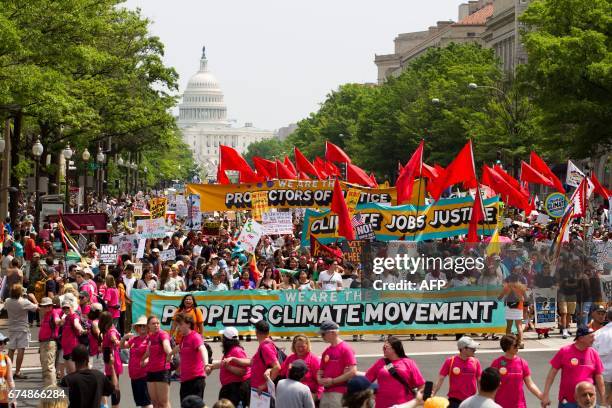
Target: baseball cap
column 583, row 331
column 328, row 325
column 46, row 301
column 155, row 250
column 96, row 307
column 360, row 383
column 192, row 401
column 467, row 342
column 3, row 337
column 142, row 321
column 67, row 303
column 599, row 308
column 229, row 333
column 298, row 369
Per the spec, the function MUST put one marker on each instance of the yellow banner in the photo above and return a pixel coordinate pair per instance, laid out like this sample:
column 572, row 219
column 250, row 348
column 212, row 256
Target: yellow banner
column 157, row 207
column 291, row 194
column 445, row 218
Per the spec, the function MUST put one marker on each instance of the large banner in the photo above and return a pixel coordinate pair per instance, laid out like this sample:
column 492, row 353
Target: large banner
column 443, row 219
column 291, row 194
column 358, row 311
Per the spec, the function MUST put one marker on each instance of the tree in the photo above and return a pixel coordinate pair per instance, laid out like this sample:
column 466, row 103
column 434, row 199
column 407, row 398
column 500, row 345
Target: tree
column 267, row 148
column 570, row 71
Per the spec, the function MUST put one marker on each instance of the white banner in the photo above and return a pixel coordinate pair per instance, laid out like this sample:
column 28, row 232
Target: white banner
column 277, row 223
column 181, row 206
column 545, row 306
column 155, row 228
column 108, row 254
column 194, row 216
column 250, row 235
column 574, row 175
column 167, row 255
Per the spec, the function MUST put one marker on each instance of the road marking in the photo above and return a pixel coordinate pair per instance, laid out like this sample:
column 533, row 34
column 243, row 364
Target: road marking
column 439, row 353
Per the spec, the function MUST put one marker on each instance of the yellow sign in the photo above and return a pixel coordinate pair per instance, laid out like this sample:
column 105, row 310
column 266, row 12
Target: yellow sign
column 259, row 200
column 289, row 194
column 157, row 207
column 352, row 199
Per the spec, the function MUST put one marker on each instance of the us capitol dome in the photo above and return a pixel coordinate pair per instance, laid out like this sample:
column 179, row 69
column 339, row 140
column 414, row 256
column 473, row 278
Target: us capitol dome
column 203, row 121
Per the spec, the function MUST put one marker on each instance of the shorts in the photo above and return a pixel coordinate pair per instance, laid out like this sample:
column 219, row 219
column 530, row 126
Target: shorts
column 18, row 340
column 116, row 395
column 194, row 386
column 96, row 362
column 237, row 392
column 159, row 376
column 513, row 314
column 331, row 400
column 608, row 387
column 567, row 307
column 141, row 392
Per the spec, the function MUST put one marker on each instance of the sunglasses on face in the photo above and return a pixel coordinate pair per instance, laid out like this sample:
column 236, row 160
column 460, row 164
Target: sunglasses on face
column 3, row 343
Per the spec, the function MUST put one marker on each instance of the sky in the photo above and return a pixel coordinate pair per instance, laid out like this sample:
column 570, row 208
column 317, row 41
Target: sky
column 276, row 60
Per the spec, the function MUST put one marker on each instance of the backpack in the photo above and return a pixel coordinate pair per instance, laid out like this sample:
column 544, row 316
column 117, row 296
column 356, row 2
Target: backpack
column 280, row 356
column 391, row 368
column 40, row 288
column 86, row 325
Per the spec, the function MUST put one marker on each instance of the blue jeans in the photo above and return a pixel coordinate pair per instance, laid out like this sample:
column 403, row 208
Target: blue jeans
column 568, row 405
column 586, row 313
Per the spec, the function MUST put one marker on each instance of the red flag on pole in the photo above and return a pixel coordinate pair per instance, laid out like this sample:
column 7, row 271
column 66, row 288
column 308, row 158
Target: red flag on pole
column 599, row 189
column 373, row 179
column 538, row 164
column 461, row 169
column 356, row 175
column 290, row 165
column 303, row 165
column 531, row 175
column 319, row 165
column 264, row 167
column 283, row 171
column 221, row 176
column 334, row 153
column 508, row 193
column 230, row 159
column 477, row 216
column 339, row 207
column 405, row 181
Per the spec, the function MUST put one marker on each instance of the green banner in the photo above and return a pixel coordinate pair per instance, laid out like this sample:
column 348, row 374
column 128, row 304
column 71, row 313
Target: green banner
column 358, row 311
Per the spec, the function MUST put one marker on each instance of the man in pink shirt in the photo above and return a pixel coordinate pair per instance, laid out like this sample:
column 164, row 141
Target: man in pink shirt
column 338, row 365
column 463, row 371
column 194, row 357
column 578, row 362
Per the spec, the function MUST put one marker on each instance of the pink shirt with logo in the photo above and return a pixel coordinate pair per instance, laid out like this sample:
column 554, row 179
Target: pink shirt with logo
column 391, row 391
column 334, row 361
column 192, row 364
column 310, row 379
column 85, row 309
column 69, row 336
column 463, row 376
column 138, row 346
column 45, row 333
column 227, row 377
column 107, row 342
column 94, row 347
column 576, row 366
column 89, row 287
column 111, row 297
column 267, row 350
column 513, row 372
column 157, row 355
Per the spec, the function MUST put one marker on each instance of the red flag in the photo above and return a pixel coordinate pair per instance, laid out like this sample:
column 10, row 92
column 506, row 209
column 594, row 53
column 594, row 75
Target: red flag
column 477, row 216
column 290, row 165
column 538, row 164
column 508, row 193
column 531, row 175
column 253, row 269
column 405, row 181
column 373, row 179
column 356, row 175
column 334, row 153
column 429, row 172
column 303, row 176
column 399, row 167
column 232, row 160
column 599, row 189
column 283, row 171
column 221, row 176
column 460, row 170
column 266, row 168
column 332, row 169
column 250, row 177
column 320, row 166
column 509, row 179
column 338, row 207
column 319, row 249
column 303, row 165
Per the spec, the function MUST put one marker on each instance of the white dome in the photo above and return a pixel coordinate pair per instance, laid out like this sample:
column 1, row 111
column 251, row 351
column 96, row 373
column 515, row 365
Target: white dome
column 203, row 79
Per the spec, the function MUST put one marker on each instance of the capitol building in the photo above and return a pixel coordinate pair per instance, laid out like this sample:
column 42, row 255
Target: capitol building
column 204, row 125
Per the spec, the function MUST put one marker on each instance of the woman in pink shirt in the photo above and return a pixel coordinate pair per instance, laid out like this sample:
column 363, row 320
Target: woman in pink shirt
column 194, row 357
column 71, row 331
column 396, row 374
column 110, row 339
column 95, row 352
column 301, row 351
column 157, row 362
column 234, row 377
column 514, row 371
column 137, row 344
column 111, row 297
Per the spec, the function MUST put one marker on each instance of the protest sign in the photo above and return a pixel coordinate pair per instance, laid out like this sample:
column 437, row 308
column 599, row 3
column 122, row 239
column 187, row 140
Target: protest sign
column 363, row 231
column 141, row 248
column 82, row 243
column 606, row 288
column 108, row 254
column 443, row 219
column 352, row 251
column 352, row 199
column 157, row 207
column 290, row 194
column 555, row 205
column 601, row 253
column 259, row 204
column 357, row 311
column 259, row 399
column 543, row 219
column 194, row 215
column 167, row 255
column 545, row 302
column 277, row 223
column 574, row 175
column 155, row 228
column 126, row 244
column 250, row 235
column 211, row 228
column 171, row 203
column 181, row 206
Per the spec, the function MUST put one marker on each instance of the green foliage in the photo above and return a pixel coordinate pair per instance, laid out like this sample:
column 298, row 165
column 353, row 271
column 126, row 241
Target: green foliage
column 570, row 71
column 268, row 148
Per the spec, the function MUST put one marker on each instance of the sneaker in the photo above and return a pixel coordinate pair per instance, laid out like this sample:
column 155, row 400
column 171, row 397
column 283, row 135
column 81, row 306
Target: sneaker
column 546, row 335
column 412, row 338
column 355, row 337
column 540, row 336
column 382, row 337
column 434, row 337
column 565, row 334
column 248, row 337
column 429, row 337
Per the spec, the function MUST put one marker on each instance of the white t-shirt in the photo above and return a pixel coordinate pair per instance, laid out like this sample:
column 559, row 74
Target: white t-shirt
column 330, row 281
column 478, row 401
column 129, row 284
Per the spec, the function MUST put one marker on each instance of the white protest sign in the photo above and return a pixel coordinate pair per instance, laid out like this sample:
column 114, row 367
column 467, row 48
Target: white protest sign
column 141, row 248
column 108, row 254
column 574, row 175
column 82, row 243
column 259, row 400
column 545, row 301
column 126, row 244
column 181, row 206
column 167, row 255
column 543, row 219
column 277, row 223
column 250, row 235
column 606, row 288
column 155, row 228
column 194, row 216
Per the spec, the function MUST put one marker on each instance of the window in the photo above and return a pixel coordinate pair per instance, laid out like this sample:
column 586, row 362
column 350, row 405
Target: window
column 471, row 34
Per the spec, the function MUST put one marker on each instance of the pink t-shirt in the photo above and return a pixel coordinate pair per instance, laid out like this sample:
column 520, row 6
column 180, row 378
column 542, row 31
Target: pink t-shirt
column 310, row 379
column 513, row 372
column 94, row 347
column 391, row 391
column 85, row 309
column 89, row 287
column 111, row 297
column 463, row 376
column 69, row 338
column 157, row 355
column 334, row 361
column 45, row 333
column 138, row 346
column 575, row 366
column 259, row 367
column 225, row 376
column 192, row 365
column 107, row 342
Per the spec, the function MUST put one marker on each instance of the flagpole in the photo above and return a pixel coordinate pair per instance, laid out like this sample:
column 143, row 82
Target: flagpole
column 419, row 192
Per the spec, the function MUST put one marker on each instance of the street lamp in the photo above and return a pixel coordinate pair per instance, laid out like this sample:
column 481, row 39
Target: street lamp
column 435, row 101
column 146, row 170
column 100, row 157
column 67, row 153
column 120, row 161
column 85, row 156
column 37, row 151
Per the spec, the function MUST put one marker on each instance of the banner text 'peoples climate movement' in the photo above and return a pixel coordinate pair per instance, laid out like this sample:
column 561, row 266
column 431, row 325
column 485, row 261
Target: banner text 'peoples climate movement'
column 456, row 310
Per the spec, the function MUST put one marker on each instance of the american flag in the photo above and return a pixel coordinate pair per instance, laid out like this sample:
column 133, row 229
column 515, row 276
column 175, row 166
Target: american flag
column 357, row 221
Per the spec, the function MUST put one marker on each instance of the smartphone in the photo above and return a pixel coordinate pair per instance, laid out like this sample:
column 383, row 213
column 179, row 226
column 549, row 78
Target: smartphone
column 427, row 390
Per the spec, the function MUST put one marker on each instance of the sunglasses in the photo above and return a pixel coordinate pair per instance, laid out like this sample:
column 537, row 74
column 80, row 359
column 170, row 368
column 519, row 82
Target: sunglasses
column 3, row 342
